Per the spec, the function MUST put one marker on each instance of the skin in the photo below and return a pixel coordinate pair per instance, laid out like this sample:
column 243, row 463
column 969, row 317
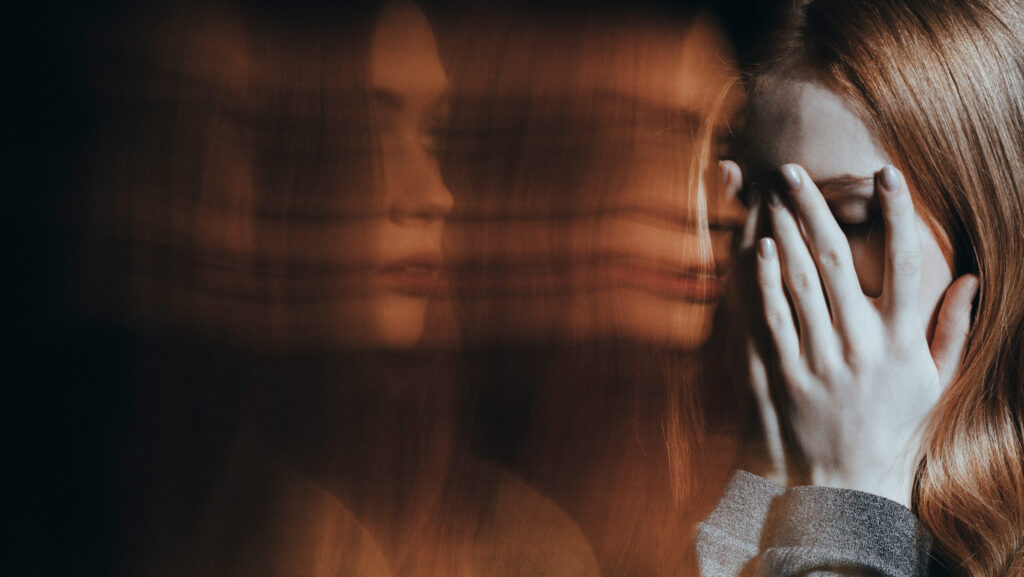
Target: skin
column 865, row 321
column 410, row 103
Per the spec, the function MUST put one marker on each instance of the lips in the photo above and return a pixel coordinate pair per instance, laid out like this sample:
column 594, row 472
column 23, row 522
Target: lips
column 415, row 275
column 692, row 284
column 695, row 284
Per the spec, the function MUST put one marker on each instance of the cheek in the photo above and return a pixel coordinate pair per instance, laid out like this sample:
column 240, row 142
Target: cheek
column 936, row 274
column 869, row 260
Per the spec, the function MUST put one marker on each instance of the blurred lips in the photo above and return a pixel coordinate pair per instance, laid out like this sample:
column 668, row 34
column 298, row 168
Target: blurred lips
column 414, row 275
column 695, row 284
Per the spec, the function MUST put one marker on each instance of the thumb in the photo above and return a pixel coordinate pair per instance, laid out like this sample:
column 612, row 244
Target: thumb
column 952, row 327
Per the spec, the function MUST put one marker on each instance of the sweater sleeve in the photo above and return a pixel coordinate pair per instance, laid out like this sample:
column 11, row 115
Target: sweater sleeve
column 728, row 540
column 812, row 531
column 759, row 528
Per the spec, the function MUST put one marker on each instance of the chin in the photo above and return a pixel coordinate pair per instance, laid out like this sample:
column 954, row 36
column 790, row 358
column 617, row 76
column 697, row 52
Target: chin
column 398, row 320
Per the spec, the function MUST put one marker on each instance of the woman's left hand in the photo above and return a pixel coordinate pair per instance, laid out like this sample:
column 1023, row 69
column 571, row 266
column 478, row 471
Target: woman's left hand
column 860, row 376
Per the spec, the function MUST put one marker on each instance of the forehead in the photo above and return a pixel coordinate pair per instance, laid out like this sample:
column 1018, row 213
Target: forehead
column 403, row 52
column 803, row 122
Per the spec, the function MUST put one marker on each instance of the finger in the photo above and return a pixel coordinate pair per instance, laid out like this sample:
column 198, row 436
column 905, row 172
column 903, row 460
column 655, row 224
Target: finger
column 952, row 327
column 902, row 283
column 829, row 247
column 801, row 279
column 730, row 183
column 769, row 415
column 754, row 223
column 777, row 314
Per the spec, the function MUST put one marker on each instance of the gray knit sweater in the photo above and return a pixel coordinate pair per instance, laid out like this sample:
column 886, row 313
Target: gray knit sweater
column 762, row 529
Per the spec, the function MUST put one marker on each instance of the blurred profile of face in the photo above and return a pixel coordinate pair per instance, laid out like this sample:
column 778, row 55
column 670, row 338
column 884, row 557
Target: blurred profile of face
column 805, row 123
column 266, row 201
column 409, row 96
column 660, row 269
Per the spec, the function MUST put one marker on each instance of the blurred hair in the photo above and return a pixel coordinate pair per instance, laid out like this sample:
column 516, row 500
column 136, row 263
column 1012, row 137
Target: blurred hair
column 940, row 83
column 231, row 147
column 553, row 117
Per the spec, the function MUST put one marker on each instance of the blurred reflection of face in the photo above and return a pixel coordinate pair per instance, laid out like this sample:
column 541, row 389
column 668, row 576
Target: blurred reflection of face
column 409, row 101
column 660, row 272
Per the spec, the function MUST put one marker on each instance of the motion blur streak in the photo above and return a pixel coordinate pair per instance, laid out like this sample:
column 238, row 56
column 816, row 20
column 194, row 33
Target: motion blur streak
column 408, row 290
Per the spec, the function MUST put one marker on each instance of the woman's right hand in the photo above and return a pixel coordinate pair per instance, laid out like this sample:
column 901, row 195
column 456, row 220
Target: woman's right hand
column 858, row 374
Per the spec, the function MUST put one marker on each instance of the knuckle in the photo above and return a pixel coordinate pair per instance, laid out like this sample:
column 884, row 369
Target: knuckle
column 856, row 355
column 800, row 282
column 905, row 261
column 831, row 259
column 774, row 319
column 900, row 207
column 802, row 390
column 798, row 390
column 825, row 366
column 899, row 204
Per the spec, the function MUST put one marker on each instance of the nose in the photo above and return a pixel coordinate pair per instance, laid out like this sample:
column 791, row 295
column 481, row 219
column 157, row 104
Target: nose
column 417, row 193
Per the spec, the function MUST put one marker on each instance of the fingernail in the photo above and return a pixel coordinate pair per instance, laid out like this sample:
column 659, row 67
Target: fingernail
column 723, row 173
column 774, row 200
column 791, row 176
column 890, row 179
column 766, row 248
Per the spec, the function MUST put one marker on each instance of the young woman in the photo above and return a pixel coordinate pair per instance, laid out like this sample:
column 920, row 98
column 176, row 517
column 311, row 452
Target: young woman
column 900, row 200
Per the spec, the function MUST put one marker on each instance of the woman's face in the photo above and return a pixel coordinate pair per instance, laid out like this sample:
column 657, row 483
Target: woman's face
column 660, row 273
column 588, row 223
column 409, row 106
column 803, row 122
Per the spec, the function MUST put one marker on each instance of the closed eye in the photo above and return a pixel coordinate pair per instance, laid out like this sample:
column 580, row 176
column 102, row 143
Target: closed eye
column 860, row 229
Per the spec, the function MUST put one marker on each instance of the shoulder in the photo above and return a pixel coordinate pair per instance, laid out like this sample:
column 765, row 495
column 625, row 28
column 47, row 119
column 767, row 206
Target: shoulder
column 309, row 531
column 276, row 523
column 525, row 533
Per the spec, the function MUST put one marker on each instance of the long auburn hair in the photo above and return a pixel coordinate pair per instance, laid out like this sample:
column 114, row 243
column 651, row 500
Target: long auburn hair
column 941, row 85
